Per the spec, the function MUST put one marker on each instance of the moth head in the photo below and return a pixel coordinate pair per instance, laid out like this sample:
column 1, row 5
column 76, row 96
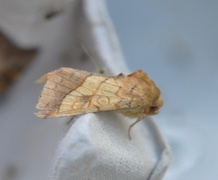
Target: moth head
column 153, row 109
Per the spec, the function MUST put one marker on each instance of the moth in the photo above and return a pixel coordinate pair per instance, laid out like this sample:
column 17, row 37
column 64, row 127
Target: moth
column 69, row 92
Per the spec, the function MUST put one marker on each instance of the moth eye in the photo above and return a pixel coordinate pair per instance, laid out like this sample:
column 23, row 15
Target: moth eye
column 153, row 109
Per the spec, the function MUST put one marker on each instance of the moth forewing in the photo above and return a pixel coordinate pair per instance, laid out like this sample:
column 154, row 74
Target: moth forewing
column 69, row 92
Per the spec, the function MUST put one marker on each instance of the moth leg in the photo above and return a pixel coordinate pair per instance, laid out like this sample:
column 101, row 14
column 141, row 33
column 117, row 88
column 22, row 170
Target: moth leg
column 130, row 127
column 71, row 120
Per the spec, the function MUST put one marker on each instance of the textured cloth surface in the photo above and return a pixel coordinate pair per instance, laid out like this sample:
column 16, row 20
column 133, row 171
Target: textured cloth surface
column 95, row 146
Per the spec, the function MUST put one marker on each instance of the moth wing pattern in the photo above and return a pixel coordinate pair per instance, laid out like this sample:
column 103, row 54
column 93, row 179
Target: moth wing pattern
column 69, row 92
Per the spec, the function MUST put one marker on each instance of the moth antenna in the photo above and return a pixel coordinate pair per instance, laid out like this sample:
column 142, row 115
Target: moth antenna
column 101, row 70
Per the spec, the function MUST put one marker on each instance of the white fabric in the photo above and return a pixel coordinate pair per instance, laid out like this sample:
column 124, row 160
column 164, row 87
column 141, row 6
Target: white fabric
column 95, row 146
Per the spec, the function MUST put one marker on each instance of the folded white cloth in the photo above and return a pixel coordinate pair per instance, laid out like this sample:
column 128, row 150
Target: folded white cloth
column 95, row 146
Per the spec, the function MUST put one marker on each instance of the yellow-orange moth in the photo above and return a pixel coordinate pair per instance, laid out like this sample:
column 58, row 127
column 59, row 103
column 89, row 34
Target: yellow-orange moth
column 69, row 92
